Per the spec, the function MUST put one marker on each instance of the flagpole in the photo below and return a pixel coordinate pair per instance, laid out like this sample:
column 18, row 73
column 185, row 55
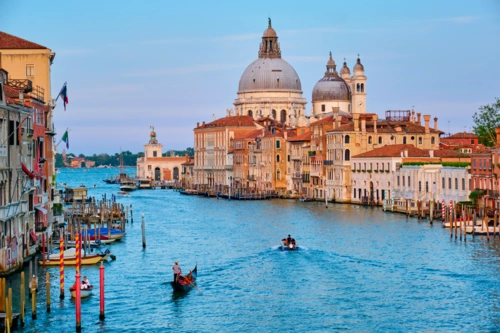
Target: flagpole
column 67, row 130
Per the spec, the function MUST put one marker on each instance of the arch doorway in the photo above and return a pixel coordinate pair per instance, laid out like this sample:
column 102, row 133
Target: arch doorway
column 157, row 174
column 176, row 173
column 371, row 192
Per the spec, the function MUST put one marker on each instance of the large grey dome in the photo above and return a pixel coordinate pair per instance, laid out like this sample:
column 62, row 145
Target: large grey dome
column 269, row 74
column 331, row 88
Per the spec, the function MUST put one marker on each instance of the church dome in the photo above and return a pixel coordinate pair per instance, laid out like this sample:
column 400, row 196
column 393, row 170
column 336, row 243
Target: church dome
column 331, row 87
column 269, row 74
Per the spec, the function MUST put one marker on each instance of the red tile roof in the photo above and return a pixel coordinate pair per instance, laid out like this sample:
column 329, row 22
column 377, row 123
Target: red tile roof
column 395, row 151
column 301, row 137
column 8, row 41
column 251, row 135
column 232, row 121
column 462, row 135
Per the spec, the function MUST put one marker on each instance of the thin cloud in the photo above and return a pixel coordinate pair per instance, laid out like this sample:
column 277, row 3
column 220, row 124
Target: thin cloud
column 183, row 70
column 459, row 19
column 75, row 52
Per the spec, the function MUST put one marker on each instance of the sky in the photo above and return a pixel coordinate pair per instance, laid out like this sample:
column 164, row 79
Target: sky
column 130, row 65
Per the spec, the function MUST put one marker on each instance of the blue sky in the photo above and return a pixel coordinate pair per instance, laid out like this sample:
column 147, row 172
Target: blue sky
column 133, row 64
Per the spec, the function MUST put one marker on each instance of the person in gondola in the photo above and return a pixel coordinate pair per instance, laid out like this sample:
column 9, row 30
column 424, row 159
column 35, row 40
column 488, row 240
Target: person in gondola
column 177, row 270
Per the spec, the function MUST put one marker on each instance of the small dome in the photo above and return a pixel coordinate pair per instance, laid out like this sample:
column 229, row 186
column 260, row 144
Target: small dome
column 359, row 66
column 331, row 88
column 153, row 134
column 270, row 32
column 345, row 70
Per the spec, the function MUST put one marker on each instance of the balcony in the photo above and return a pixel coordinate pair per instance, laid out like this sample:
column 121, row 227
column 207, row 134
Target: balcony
column 296, row 175
column 252, row 177
column 328, row 162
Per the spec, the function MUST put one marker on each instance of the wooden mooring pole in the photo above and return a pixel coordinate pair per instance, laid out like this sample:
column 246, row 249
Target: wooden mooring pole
column 143, row 228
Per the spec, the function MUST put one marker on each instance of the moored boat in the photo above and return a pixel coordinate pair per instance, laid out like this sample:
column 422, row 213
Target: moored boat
column 84, row 293
column 123, row 194
column 186, row 282
column 127, row 185
column 70, row 258
column 113, row 234
column 189, row 192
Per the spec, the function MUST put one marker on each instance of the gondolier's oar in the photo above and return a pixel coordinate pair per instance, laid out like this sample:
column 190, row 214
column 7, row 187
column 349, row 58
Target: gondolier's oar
column 196, row 287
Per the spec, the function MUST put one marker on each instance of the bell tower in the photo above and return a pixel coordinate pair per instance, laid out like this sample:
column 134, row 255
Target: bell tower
column 358, row 88
column 269, row 48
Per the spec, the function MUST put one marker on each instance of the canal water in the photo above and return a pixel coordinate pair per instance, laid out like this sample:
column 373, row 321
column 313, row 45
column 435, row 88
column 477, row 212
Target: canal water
column 359, row 269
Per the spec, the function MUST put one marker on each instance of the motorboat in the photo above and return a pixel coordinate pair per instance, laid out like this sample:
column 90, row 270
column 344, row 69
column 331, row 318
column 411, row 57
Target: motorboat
column 123, row 194
column 289, row 245
column 127, row 185
column 70, row 258
column 144, row 184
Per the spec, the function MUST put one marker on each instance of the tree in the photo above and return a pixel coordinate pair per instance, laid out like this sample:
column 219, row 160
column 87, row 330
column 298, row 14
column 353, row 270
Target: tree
column 485, row 122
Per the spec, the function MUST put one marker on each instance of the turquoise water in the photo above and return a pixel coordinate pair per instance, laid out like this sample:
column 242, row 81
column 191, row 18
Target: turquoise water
column 359, row 269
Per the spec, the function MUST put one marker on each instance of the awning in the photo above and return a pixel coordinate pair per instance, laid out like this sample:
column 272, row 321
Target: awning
column 33, row 236
column 43, row 210
column 26, row 171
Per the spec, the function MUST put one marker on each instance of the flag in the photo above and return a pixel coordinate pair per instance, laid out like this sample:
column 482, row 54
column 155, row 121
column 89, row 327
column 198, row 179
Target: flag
column 64, row 95
column 65, row 138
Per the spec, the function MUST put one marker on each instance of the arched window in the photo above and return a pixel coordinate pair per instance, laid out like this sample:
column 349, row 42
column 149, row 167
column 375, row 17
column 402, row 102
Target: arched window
column 357, row 87
column 379, row 140
column 404, row 140
column 347, row 155
column 433, row 140
column 273, row 113
column 277, row 158
column 362, row 87
column 283, row 116
column 346, row 139
column 278, row 175
column 250, row 113
column 369, row 140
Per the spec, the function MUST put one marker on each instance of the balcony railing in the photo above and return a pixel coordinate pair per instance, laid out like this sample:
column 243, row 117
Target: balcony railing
column 328, row 162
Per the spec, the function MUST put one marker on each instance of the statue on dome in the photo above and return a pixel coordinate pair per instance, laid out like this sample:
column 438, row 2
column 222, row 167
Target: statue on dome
column 269, row 21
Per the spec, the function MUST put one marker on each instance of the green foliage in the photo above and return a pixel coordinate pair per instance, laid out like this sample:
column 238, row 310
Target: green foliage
column 57, row 209
column 474, row 195
column 129, row 159
column 485, row 122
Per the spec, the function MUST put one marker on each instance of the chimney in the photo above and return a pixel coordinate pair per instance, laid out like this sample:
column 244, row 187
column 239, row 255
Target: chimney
column 497, row 131
column 412, row 119
column 285, row 135
column 356, row 121
column 375, row 118
column 203, row 124
column 436, row 123
column 418, row 118
column 427, row 119
column 197, row 124
column 431, row 153
column 363, row 124
column 335, row 110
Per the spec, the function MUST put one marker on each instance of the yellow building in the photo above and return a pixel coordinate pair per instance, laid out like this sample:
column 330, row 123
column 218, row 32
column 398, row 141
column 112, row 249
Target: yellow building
column 27, row 60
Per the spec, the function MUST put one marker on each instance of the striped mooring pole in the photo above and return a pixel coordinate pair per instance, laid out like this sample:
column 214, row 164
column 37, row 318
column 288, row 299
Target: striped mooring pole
column 77, row 284
column 443, row 209
column 451, row 212
column 61, row 267
column 392, row 201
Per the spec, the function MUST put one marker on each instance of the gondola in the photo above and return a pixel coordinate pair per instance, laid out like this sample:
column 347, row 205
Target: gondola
column 185, row 282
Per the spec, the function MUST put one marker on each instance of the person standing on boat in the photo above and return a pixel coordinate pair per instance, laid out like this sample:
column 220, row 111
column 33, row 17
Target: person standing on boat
column 177, row 270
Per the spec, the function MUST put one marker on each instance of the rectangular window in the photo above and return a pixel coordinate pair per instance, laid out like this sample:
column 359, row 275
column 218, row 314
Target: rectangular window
column 398, row 180
column 278, row 144
column 449, row 183
column 354, row 194
column 154, row 153
column 480, row 164
column 409, row 181
column 323, row 108
column 474, row 163
column 456, row 183
column 427, row 187
column 403, row 180
column 420, row 186
column 444, row 183
column 463, row 184
column 30, row 70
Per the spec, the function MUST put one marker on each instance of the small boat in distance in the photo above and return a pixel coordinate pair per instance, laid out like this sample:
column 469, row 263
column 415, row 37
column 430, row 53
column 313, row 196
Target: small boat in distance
column 289, row 244
column 84, row 293
column 143, row 184
column 185, row 282
column 123, row 194
column 189, row 192
column 127, row 185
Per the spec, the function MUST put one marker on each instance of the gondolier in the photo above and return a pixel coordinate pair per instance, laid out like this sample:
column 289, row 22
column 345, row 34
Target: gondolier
column 177, row 270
